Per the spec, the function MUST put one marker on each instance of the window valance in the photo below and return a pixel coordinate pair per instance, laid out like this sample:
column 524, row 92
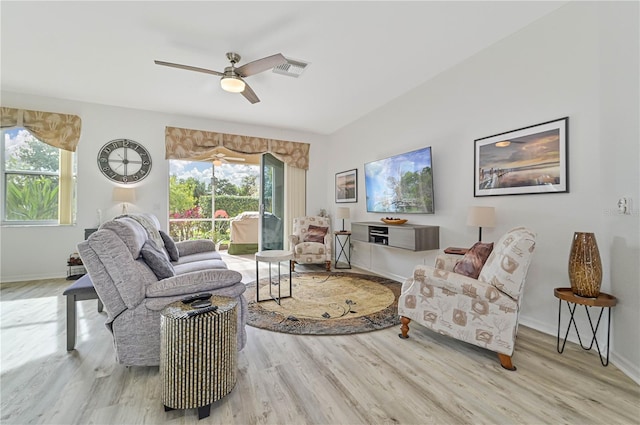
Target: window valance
column 199, row 145
column 59, row 130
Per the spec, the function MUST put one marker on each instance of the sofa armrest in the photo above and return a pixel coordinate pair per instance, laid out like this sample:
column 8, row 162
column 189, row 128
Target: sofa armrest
column 190, row 283
column 447, row 261
column 432, row 278
column 195, row 246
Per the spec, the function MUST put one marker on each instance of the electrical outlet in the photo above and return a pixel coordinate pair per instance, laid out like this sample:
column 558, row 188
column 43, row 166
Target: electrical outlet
column 623, row 206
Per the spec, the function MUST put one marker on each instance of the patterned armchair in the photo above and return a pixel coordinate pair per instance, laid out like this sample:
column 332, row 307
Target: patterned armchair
column 482, row 311
column 311, row 241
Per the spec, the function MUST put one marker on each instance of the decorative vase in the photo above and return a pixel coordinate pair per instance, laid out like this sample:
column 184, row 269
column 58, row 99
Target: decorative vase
column 585, row 267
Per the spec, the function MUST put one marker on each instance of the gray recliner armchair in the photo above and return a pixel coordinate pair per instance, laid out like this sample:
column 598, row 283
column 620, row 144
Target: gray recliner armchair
column 124, row 258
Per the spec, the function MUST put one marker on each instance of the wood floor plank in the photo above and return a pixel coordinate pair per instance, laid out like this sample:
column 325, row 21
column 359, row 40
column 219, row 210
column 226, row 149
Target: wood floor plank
column 370, row 378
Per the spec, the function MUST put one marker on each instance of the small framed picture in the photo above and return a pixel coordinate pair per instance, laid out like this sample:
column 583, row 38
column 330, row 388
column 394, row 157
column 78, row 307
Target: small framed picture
column 347, row 186
column 529, row 160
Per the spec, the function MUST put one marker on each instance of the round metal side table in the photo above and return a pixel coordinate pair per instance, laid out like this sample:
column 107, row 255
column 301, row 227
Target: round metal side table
column 273, row 256
column 602, row 300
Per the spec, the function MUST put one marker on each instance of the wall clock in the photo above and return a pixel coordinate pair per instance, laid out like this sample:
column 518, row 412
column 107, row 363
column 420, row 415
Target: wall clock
column 124, row 161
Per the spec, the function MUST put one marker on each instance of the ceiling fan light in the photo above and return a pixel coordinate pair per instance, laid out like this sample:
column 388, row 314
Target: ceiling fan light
column 232, row 84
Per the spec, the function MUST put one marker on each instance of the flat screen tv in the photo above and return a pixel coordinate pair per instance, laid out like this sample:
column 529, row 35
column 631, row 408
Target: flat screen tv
column 400, row 184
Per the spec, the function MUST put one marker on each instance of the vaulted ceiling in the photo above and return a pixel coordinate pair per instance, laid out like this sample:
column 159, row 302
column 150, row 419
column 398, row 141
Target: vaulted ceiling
column 361, row 55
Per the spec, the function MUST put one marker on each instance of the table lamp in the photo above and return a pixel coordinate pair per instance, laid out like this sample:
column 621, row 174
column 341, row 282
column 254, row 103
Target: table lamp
column 124, row 195
column 481, row 217
column 343, row 213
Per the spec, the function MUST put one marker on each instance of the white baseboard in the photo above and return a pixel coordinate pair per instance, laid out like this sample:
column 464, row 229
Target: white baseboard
column 627, row 367
column 382, row 273
column 27, row 277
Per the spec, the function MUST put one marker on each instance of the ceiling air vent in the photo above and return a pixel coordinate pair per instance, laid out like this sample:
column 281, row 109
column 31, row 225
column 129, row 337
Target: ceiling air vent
column 292, row 68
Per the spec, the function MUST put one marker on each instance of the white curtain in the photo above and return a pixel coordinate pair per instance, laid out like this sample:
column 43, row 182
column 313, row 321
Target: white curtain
column 295, row 197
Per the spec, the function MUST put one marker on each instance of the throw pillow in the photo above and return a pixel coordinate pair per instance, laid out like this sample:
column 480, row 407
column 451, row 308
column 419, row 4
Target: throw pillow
column 170, row 246
column 157, row 260
column 315, row 234
column 472, row 262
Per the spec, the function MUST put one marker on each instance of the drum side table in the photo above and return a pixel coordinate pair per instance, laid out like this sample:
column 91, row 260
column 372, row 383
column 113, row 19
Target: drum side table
column 198, row 354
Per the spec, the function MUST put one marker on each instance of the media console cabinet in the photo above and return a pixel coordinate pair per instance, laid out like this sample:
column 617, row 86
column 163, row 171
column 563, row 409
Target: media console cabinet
column 414, row 237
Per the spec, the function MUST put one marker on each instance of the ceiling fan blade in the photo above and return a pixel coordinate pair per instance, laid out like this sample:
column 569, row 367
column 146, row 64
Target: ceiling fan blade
column 249, row 94
column 235, row 159
column 261, row 65
column 189, row 68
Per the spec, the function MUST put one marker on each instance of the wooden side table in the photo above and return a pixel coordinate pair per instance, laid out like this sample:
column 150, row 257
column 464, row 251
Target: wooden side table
column 198, row 354
column 603, row 301
column 342, row 249
column 456, row 250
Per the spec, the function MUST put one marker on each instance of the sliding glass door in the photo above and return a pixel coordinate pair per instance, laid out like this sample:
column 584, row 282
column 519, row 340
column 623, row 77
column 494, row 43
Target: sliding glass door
column 271, row 203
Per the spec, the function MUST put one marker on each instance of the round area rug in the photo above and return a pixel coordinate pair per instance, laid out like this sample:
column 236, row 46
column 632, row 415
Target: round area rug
column 326, row 304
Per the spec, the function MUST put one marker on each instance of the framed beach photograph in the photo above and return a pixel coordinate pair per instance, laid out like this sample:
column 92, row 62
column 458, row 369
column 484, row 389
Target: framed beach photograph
column 529, row 160
column 347, row 186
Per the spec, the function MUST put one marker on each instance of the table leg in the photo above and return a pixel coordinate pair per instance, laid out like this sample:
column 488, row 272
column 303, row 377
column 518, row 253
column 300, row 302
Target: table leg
column 204, row 411
column 71, row 322
column 594, row 330
column 257, row 283
column 270, row 282
column 571, row 321
column 279, row 283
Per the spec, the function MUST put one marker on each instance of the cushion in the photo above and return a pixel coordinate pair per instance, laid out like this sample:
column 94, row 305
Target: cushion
column 473, row 261
column 315, row 234
column 157, row 260
column 170, row 246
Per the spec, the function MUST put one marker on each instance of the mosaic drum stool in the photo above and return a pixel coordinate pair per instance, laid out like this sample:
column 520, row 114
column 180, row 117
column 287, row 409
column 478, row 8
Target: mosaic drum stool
column 198, row 353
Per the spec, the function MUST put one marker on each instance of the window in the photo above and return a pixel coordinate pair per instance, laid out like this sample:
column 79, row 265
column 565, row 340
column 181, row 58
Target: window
column 38, row 180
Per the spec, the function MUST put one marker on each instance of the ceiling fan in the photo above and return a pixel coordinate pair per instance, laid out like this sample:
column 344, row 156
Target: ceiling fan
column 220, row 158
column 233, row 78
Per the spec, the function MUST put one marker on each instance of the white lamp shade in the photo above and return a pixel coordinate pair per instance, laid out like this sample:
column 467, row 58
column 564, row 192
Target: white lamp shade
column 343, row 213
column 481, row 217
column 124, row 194
column 232, row 84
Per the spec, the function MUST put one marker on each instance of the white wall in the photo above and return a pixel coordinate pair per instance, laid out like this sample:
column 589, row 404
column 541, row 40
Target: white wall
column 581, row 61
column 619, row 151
column 41, row 252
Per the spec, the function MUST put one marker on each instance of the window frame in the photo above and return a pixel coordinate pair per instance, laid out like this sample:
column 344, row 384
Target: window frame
column 67, row 168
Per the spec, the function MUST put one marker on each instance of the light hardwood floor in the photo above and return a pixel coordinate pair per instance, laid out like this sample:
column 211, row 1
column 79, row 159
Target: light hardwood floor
column 370, row 378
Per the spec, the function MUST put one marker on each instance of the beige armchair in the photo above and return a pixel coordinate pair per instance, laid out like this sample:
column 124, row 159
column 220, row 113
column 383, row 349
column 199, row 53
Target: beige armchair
column 482, row 311
column 311, row 241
